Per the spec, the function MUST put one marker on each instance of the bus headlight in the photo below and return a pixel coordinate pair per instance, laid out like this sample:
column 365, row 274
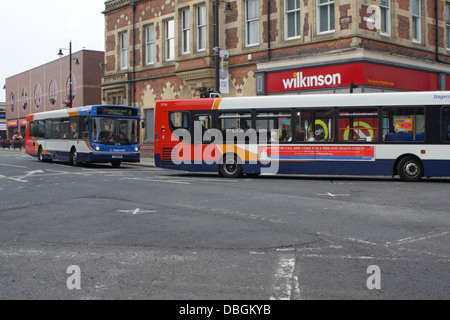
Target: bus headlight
column 136, row 149
column 97, row 148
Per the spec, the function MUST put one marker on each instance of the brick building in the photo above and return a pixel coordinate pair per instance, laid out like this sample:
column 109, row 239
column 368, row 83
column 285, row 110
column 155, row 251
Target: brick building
column 164, row 49
column 46, row 87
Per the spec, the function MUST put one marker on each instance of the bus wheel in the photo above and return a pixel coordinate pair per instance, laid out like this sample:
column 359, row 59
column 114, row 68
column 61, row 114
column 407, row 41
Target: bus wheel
column 230, row 166
column 116, row 164
column 74, row 157
column 410, row 169
column 40, row 158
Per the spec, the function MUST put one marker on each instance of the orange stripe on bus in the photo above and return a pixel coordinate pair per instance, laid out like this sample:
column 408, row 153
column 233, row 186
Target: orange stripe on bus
column 216, row 103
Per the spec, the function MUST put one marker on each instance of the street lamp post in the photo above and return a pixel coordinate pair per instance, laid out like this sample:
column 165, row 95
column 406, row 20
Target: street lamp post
column 60, row 53
column 216, row 41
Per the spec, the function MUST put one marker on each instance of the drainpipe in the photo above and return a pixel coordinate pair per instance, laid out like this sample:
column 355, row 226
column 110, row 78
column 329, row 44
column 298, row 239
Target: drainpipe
column 133, row 76
column 268, row 29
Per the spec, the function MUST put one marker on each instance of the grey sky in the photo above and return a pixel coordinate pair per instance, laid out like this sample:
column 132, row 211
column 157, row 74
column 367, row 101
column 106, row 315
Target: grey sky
column 32, row 32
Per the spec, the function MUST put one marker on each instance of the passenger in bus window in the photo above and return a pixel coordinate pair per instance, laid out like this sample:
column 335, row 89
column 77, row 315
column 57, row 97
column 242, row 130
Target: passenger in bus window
column 285, row 137
column 301, row 136
column 311, row 136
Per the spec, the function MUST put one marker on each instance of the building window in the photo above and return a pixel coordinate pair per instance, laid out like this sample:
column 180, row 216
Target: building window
column 169, row 37
column 124, row 50
column 24, row 99
column 53, row 92
column 326, row 16
column 292, row 19
column 416, row 23
column 150, row 44
column 201, row 28
column 37, row 96
column 251, row 23
column 447, row 19
column 185, row 31
column 11, row 101
column 385, row 8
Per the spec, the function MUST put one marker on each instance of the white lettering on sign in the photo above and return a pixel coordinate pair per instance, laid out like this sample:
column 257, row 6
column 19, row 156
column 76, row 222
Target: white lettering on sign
column 299, row 81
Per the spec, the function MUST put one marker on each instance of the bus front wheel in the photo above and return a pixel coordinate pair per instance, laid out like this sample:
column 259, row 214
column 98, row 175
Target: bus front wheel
column 410, row 169
column 74, row 157
column 230, row 167
column 40, row 158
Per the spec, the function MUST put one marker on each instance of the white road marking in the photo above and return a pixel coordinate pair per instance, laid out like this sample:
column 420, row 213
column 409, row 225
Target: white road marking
column 333, row 195
column 286, row 284
column 137, row 211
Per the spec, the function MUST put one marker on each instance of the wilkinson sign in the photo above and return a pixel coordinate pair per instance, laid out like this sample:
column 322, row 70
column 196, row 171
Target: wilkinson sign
column 299, row 81
column 313, row 78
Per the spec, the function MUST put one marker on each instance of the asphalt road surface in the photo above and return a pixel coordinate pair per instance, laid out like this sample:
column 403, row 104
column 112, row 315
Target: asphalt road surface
column 136, row 232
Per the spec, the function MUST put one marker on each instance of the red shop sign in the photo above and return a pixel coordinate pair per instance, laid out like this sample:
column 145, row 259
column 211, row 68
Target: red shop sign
column 361, row 73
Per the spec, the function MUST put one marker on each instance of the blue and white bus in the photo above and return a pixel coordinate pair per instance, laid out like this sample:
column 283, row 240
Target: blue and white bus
column 95, row 134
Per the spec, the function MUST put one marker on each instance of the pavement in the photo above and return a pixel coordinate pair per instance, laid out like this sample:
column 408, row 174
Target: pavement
column 145, row 161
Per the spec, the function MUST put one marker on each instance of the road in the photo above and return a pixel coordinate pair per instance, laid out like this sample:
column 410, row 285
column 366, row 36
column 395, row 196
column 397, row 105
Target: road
column 139, row 232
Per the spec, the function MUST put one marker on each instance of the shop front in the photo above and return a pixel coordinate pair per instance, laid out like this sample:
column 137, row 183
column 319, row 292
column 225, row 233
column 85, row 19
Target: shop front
column 350, row 77
column 16, row 128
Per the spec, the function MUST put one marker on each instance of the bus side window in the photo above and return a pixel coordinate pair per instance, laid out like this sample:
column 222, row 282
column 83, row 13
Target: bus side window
column 446, row 124
column 48, row 129
column 85, row 127
column 65, row 128
column 74, row 132
column 40, row 129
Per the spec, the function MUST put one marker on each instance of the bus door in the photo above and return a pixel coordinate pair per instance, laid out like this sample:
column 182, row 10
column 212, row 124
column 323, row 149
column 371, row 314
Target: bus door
column 204, row 135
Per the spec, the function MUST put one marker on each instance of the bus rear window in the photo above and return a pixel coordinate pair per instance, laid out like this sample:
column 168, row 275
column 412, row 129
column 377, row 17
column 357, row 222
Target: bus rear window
column 404, row 124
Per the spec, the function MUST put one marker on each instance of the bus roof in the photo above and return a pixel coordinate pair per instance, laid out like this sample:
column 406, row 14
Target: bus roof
column 62, row 113
column 337, row 100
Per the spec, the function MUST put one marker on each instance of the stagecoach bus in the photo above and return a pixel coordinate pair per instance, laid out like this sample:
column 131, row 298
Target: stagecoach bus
column 96, row 134
column 404, row 134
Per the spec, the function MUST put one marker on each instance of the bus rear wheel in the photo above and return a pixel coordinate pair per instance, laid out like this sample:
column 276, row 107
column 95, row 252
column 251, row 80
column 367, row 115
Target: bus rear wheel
column 410, row 169
column 230, row 166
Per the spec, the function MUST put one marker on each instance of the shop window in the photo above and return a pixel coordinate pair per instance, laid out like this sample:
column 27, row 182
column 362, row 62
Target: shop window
column 404, row 124
column 358, row 125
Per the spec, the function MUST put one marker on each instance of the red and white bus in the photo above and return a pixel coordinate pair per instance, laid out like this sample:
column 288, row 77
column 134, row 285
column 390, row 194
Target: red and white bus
column 405, row 134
